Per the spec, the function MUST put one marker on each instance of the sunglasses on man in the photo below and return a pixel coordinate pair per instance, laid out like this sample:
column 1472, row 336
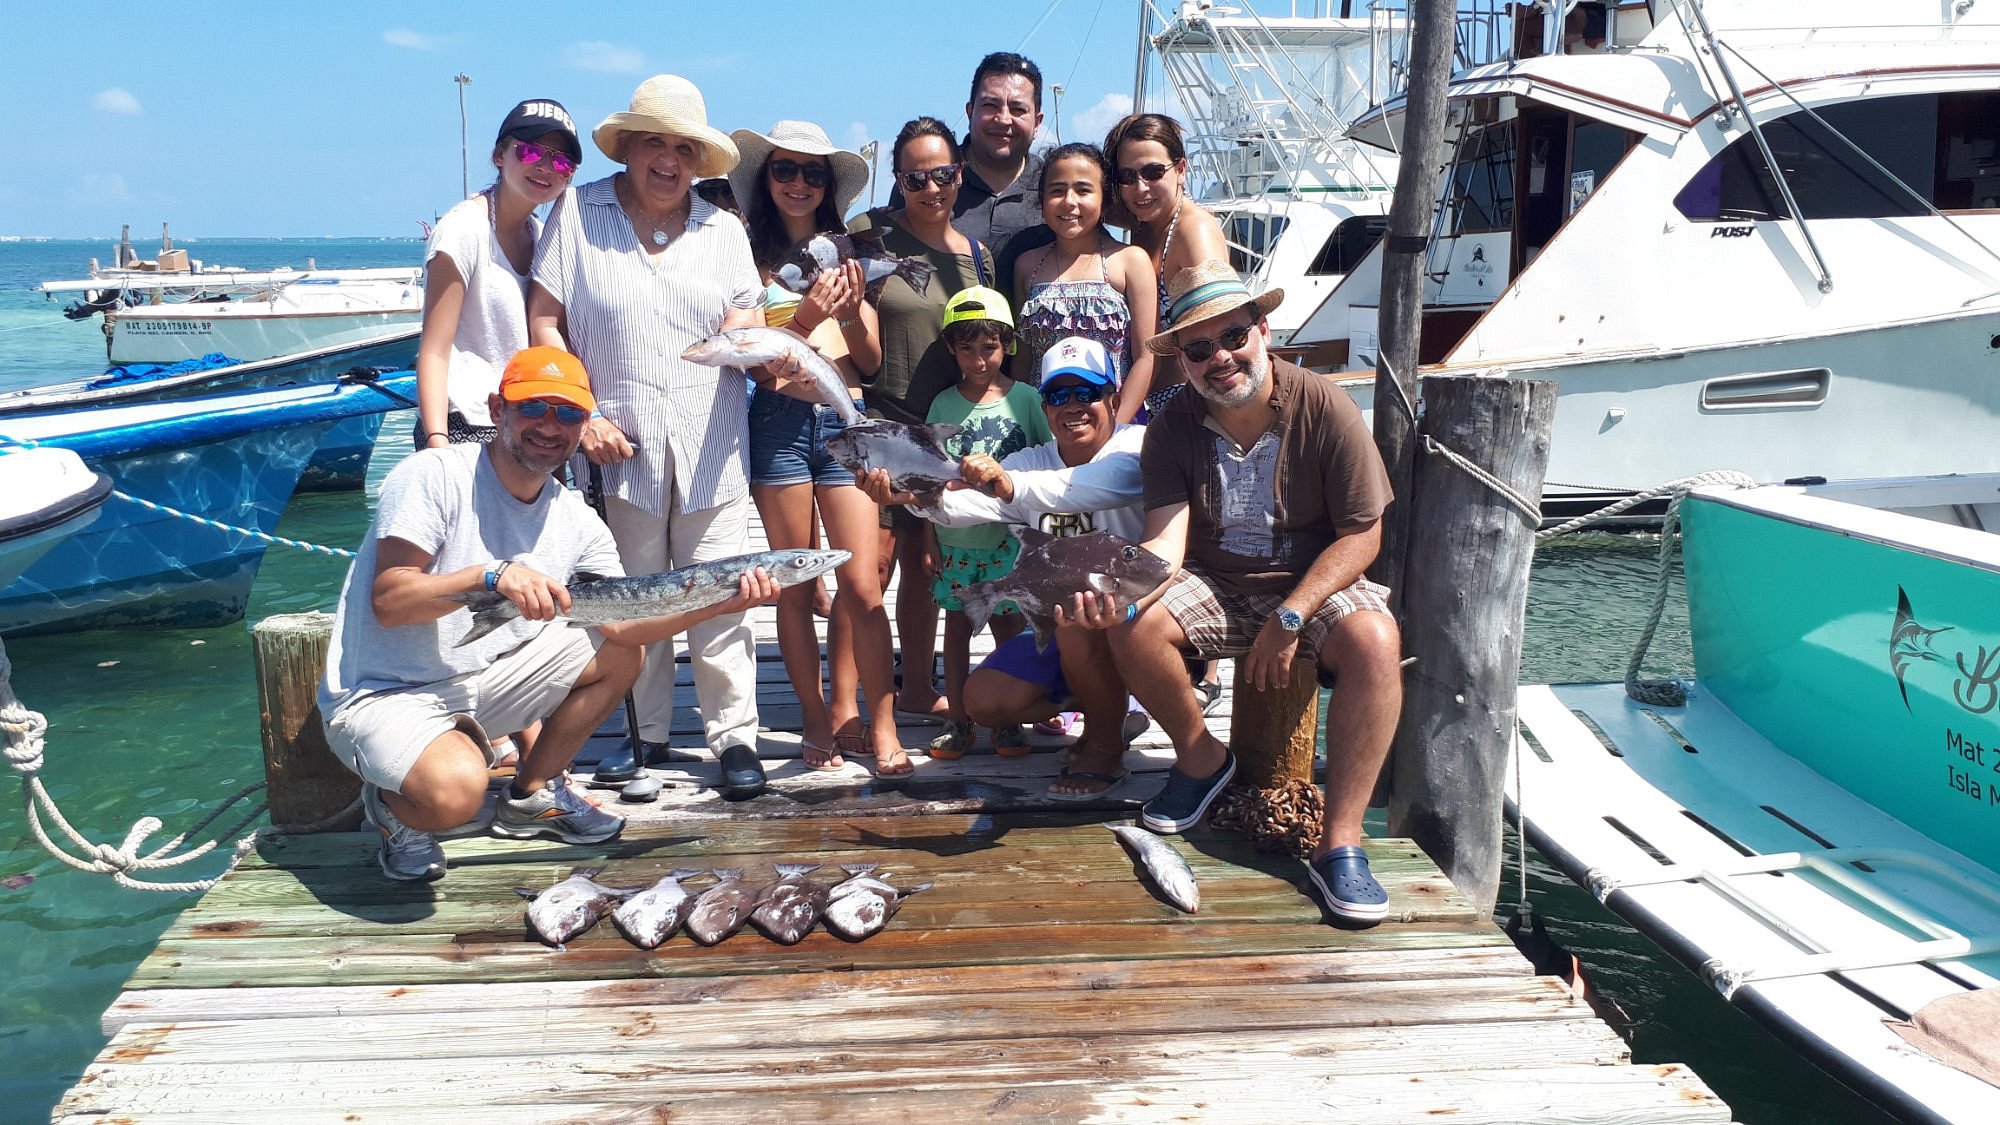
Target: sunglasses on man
column 944, row 175
column 785, row 171
column 1150, row 173
column 1083, row 394
column 534, row 410
column 560, row 162
column 1229, row 339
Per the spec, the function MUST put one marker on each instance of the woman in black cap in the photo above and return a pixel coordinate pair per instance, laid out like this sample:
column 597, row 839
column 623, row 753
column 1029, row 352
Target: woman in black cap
column 476, row 274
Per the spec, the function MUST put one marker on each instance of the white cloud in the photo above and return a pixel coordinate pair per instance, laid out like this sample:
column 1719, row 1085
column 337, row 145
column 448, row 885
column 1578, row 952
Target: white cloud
column 604, row 58
column 414, row 40
column 108, row 187
column 116, row 100
column 1093, row 123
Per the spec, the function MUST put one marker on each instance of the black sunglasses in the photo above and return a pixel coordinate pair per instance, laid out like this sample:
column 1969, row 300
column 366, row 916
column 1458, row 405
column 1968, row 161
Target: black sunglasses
column 944, row 175
column 1229, row 339
column 534, row 410
column 785, row 171
column 1083, row 394
column 1151, row 173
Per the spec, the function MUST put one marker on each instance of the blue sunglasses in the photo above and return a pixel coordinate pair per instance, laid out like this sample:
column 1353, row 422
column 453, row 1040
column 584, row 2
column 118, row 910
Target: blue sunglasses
column 1083, row 393
column 534, row 410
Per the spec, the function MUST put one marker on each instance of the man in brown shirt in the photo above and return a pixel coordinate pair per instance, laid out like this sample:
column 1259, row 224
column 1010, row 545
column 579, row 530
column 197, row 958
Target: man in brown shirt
column 1264, row 485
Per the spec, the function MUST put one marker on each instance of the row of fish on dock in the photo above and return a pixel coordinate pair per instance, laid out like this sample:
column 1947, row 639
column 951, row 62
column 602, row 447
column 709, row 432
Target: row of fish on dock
column 785, row 910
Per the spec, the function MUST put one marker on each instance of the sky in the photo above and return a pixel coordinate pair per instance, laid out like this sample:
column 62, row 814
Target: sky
column 341, row 118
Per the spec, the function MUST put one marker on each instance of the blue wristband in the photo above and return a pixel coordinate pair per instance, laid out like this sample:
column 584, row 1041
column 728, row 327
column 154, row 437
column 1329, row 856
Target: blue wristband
column 1131, row 611
column 492, row 580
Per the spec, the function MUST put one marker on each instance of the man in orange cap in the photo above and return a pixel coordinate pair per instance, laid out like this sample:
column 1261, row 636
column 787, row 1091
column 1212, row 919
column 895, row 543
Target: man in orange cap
column 412, row 710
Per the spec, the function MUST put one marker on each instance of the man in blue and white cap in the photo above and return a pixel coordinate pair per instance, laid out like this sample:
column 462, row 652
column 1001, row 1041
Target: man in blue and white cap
column 1086, row 480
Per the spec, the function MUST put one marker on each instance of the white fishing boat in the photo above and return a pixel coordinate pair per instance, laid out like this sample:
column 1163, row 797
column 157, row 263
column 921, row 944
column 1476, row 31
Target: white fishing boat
column 1610, row 220
column 1816, row 830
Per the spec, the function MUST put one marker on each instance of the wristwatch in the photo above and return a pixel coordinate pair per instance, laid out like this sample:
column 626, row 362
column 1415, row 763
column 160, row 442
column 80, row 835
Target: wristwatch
column 1289, row 619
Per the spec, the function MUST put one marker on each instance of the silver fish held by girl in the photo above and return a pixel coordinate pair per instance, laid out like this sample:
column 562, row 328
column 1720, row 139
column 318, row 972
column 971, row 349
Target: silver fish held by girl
column 1051, row 571
column 598, row 601
column 1165, row 868
column 651, row 916
column 723, row 908
column 755, row 347
column 571, row 906
column 801, row 265
column 913, row 456
column 789, row 908
column 858, row 908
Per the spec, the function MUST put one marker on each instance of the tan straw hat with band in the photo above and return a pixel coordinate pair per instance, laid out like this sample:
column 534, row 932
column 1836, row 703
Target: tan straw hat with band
column 1203, row 292
column 850, row 172
column 668, row 103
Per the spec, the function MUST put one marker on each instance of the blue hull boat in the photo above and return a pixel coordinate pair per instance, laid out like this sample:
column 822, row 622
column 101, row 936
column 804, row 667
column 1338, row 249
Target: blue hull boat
column 234, row 459
column 341, row 461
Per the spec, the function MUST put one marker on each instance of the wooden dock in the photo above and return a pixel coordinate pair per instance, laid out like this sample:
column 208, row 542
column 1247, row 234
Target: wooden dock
column 1038, row 979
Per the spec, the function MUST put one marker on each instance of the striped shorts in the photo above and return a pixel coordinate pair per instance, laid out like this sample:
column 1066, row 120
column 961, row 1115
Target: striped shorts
column 1221, row 624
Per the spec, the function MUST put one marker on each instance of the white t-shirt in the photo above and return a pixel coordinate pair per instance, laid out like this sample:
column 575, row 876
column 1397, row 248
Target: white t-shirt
column 493, row 321
column 452, row 504
column 1105, row 493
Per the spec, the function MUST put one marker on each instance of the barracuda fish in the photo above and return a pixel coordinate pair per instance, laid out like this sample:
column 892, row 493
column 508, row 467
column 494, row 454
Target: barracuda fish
column 571, row 906
column 597, row 601
column 860, row 907
column 1164, row 866
column 723, row 908
column 807, row 259
column 1052, row 571
column 913, row 455
column 790, row 907
column 651, row 916
column 755, row 347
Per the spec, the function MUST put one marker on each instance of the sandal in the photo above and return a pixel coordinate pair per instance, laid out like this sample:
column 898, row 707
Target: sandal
column 818, row 757
column 897, row 766
column 954, row 742
column 1107, row 779
column 1010, row 741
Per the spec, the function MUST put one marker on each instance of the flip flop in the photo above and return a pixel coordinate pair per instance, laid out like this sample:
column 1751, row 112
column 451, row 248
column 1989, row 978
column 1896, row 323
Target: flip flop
column 906, row 768
column 827, row 759
column 1111, row 781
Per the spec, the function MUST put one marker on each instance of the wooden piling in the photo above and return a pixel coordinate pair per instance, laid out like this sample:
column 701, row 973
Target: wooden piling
column 1462, row 619
column 1273, row 733
column 307, row 783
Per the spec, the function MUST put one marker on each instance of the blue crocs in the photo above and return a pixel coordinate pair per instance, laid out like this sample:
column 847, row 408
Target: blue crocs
column 1181, row 803
column 1348, row 888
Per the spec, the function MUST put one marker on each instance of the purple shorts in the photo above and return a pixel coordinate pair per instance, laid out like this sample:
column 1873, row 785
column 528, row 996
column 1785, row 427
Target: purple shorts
column 1017, row 657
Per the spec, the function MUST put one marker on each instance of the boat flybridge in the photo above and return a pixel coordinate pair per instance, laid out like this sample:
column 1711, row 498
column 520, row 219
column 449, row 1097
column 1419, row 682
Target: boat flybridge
column 1760, row 235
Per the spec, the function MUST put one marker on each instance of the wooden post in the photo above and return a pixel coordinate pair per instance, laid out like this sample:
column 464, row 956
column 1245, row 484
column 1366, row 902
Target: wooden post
column 307, row 783
column 1274, row 733
column 1464, row 601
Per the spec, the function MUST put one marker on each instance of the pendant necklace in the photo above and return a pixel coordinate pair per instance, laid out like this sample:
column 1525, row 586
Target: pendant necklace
column 659, row 237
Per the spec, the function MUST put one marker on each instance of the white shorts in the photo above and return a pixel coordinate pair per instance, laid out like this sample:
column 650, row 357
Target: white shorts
column 380, row 734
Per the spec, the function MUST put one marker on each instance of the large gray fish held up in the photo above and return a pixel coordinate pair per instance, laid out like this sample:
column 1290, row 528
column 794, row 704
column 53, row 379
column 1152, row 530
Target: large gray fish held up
column 571, row 906
column 807, row 259
column 859, row 908
column 723, row 908
column 651, row 916
column 754, row 347
column 1051, row 571
column 596, row 601
column 789, row 908
column 913, row 455
column 1164, row 866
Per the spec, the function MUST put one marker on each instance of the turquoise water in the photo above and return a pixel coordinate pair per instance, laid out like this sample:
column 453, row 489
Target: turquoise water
column 165, row 723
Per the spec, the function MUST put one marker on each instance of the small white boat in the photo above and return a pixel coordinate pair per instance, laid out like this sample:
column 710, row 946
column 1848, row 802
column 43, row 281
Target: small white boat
column 1816, row 831
column 46, row 494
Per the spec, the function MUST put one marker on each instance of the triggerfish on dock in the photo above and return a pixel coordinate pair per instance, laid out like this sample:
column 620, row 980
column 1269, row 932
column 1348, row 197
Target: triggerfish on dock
column 1164, row 866
column 723, row 908
column 651, row 916
column 789, row 908
column 1051, row 571
column 859, row 907
column 755, row 347
column 598, row 601
column 571, row 906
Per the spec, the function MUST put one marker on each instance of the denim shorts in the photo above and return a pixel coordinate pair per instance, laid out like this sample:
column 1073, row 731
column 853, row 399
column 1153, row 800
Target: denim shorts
column 788, row 441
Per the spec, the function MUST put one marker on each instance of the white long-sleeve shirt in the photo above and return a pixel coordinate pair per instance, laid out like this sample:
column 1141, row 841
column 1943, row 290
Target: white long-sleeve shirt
column 1105, row 493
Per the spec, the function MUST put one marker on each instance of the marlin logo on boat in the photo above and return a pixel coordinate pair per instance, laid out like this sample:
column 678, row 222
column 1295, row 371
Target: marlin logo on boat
column 1910, row 642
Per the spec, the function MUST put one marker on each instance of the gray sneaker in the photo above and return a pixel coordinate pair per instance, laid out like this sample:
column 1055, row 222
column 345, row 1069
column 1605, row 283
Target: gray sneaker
column 554, row 811
column 407, row 855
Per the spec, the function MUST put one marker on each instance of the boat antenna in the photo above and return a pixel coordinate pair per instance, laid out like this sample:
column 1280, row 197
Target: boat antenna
column 464, row 168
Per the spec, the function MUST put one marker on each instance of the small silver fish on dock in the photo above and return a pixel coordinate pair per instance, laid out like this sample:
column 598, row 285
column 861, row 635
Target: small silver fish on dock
column 861, row 906
column 754, row 347
column 913, row 455
column 1168, row 872
column 570, row 907
column 597, row 601
column 723, row 908
column 1051, row 571
column 801, row 265
column 651, row 916
column 789, row 908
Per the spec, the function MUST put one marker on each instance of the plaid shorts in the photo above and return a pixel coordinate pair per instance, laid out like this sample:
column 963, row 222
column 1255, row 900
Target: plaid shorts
column 1221, row 624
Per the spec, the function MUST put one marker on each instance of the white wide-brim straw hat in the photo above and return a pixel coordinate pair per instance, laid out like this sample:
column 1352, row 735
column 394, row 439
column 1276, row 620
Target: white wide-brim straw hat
column 850, row 172
column 668, row 103
column 1205, row 291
